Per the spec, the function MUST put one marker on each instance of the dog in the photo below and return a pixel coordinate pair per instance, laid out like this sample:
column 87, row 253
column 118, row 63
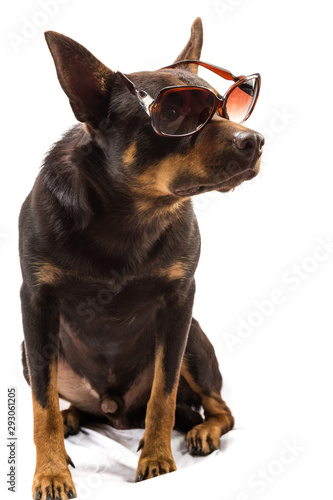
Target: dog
column 109, row 244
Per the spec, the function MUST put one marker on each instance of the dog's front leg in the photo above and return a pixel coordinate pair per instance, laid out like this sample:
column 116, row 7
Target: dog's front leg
column 52, row 479
column 172, row 327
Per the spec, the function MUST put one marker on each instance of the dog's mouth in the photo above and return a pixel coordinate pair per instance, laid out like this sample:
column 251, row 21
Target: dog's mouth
column 223, row 187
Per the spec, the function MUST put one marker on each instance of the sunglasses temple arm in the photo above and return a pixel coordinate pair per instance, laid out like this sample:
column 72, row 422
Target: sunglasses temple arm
column 224, row 73
column 144, row 99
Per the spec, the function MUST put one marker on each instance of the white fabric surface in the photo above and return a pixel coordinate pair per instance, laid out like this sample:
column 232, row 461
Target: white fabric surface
column 106, row 459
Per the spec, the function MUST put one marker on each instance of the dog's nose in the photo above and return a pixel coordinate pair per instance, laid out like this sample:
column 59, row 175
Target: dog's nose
column 249, row 143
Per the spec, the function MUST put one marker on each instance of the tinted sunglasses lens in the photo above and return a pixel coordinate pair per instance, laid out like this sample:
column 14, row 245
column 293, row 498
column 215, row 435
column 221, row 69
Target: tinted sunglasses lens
column 182, row 112
column 241, row 100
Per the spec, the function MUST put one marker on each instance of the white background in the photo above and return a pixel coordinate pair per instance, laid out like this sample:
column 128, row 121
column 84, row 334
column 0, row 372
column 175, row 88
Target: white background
column 277, row 372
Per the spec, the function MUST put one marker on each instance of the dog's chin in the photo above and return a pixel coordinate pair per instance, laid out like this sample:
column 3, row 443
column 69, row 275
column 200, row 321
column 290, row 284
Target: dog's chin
column 235, row 181
column 223, row 186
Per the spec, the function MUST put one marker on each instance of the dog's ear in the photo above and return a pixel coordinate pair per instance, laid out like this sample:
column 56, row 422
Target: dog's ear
column 84, row 79
column 193, row 47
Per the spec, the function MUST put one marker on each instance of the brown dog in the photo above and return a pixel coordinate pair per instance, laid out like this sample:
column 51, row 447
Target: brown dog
column 109, row 244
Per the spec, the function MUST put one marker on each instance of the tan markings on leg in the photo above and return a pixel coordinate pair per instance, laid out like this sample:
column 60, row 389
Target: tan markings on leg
column 128, row 157
column 51, row 475
column 204, row 438
column 156, row 456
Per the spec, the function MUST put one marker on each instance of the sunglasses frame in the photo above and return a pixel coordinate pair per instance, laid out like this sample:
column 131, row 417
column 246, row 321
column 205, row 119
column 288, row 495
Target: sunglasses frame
column 151, row 106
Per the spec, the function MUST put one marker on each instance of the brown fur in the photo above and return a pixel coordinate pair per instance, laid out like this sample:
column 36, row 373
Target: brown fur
column 51, row 475
column 156, row 456
column 218, row 418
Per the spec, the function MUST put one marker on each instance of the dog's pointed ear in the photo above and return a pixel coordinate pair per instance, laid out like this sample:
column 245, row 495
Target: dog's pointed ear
column 84, row 79
column 193, row 47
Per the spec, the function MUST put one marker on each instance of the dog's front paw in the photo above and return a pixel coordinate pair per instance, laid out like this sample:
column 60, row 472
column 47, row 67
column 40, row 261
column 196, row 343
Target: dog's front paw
column 48, row 486
column 152, row 467
column 203, row 439
column 154, row 463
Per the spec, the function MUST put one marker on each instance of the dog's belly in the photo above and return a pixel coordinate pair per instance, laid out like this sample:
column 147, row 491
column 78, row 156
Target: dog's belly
column 104, row 375
column 79, row 392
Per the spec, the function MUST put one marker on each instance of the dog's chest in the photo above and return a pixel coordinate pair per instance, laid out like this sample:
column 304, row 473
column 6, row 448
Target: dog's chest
column 107, row 335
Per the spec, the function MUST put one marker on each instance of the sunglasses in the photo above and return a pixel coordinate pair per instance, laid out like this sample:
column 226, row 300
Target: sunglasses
column 184, row 110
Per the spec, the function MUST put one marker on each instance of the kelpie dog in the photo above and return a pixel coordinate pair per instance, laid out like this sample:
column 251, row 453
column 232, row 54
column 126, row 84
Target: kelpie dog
column 109, row 244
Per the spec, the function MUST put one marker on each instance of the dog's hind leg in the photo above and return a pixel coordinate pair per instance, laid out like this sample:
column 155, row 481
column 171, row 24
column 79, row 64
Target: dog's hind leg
column 72, row 419
column 201, row 372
